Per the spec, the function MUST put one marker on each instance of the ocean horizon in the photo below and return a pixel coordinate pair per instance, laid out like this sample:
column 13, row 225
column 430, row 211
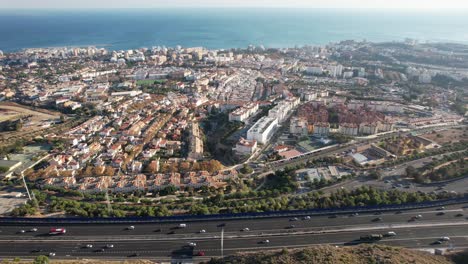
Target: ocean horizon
column 216, row 28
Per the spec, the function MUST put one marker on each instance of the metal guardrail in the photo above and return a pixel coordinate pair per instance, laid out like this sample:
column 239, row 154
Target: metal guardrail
column 227, row 217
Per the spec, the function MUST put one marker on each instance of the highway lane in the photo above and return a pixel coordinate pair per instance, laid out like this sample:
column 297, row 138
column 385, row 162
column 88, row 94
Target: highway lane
column 162, row 230
column 408, row 237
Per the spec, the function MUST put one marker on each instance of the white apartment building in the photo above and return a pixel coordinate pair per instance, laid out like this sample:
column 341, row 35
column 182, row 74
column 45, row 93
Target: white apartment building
column 385, row 127
column 283, row 108
column 321, row 129
column 335, row 71
column 309, row 95
column 246, row 147
column 263, row 129
column 298, row 126
column 348, row 74
column 369, row 128
column 348, row 129
column 244, row 112
column 314, row 70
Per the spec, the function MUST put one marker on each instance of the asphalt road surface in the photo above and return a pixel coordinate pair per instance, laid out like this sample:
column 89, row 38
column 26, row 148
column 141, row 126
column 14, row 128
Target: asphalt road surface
column 166, row 241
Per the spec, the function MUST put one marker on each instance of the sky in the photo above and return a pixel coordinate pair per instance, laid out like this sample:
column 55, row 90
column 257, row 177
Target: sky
column 399, row 4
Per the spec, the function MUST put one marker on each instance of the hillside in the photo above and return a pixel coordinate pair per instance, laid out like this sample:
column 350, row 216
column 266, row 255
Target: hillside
column 363, row 254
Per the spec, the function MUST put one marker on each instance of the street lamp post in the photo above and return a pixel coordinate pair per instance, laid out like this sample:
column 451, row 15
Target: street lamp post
column 222, row 242
column 26, row 186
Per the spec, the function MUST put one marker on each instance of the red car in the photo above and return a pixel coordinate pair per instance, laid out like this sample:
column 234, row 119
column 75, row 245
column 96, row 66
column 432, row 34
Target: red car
column 57, row 231
column 200, row 253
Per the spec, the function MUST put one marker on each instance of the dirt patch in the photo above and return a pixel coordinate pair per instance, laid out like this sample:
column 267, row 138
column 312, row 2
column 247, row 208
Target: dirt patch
column 33, row 119
column 448, row 136
column 362, row 254
column 10, row 111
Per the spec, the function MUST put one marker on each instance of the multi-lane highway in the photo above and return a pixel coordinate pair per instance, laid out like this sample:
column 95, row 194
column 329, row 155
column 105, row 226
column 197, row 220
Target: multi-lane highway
column 165, row 240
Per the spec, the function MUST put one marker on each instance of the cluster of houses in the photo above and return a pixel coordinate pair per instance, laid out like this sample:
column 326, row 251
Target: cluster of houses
column 141, row 182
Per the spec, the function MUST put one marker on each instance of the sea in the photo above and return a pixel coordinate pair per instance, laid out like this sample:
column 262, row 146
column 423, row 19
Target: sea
column 215, row 28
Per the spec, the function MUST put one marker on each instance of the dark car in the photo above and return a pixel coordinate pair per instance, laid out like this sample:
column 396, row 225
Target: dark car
column 333, row 216
column 378, row 219
column 440, row 213
column 37, row 250
column 458, row 215
column 133, row 255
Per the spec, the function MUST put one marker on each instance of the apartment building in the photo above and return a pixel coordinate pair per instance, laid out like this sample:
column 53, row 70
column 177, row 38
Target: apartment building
column 263, row 129
column 244, row 112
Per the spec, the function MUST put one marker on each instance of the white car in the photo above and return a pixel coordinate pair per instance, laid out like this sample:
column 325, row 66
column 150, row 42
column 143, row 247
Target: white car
column 131, row 227
column 89, row 246
column 418, row 216
column 182, row 225
column 33, row 230
column 246, row 229
column 52, row 254
column 391, row 233
column 192, row 244
column 109, row 246
column 445, row 238
column 266, row 241
column 22, row 231
column 202, row 231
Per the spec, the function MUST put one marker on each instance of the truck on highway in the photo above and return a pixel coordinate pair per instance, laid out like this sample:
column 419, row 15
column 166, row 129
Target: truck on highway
column 57, row 231
column 372, row 237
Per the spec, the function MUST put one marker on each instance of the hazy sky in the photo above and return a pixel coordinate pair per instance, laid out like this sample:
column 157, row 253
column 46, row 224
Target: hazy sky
column 426, row 4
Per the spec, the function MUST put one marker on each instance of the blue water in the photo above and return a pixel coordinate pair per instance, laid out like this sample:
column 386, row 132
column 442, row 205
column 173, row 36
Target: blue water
column 222, row 28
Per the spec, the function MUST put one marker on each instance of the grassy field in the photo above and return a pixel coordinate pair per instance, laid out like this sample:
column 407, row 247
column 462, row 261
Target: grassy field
column 307, row 144
column 150, row 82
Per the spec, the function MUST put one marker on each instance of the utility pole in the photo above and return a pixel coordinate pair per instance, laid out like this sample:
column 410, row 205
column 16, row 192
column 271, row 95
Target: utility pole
column 109, row 206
